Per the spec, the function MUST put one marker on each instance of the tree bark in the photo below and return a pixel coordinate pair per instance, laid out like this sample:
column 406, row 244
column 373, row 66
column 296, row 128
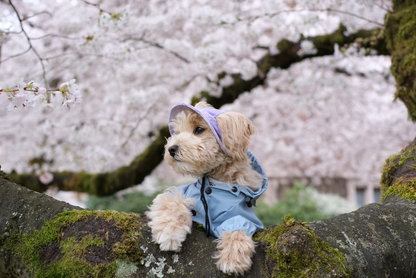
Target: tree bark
column 377, row 240
column 108, row 183
column 401, row 41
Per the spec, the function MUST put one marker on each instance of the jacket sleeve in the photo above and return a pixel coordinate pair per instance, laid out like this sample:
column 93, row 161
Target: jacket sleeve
column 234, row 224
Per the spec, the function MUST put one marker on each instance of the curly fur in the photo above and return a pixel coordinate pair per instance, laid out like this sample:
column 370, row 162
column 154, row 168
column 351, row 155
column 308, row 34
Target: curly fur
column 235, row 250
column 199, row 154
column 170, row 219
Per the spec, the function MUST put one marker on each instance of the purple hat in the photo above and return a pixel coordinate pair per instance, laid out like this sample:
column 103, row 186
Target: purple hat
column 207, row 113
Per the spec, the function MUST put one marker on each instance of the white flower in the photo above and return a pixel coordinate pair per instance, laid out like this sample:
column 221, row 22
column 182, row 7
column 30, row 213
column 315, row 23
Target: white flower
column 41, row 90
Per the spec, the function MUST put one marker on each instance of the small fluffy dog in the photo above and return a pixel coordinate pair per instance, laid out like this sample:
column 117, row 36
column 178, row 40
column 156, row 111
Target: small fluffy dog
column 211, row 145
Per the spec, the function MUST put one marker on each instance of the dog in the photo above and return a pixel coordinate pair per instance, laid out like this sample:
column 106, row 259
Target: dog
column 211, row 145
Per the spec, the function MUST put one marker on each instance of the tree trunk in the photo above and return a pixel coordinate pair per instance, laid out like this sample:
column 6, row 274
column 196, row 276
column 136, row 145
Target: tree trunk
column 108, row 183
column 401, row 41
column 43, row 237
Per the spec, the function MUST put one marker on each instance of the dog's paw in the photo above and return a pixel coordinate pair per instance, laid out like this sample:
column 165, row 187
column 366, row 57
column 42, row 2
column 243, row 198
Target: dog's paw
column 235, row 250
column 170, row 220
column 169, row 233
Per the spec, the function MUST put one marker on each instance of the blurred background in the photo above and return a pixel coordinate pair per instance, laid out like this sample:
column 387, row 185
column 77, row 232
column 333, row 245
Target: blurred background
column 313, row 76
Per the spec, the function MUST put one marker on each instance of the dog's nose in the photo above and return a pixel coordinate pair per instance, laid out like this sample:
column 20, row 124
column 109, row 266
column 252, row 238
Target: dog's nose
column 173, row 149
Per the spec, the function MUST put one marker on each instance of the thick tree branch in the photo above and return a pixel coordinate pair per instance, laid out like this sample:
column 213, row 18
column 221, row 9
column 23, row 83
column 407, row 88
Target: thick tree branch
column 39, row 236
column 104, row 183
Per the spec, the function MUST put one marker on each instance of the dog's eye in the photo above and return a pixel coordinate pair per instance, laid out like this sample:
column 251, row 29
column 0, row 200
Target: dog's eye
column 198, row 130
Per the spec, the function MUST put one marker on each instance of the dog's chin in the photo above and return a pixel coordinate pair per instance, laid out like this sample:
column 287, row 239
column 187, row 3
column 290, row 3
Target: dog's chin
column 184, row 168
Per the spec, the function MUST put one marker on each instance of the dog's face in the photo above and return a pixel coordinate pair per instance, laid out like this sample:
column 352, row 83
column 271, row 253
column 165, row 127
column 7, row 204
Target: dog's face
column 194, row 150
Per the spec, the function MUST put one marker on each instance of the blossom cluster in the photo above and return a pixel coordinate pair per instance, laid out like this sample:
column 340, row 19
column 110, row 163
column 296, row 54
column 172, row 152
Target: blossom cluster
column 31, row 94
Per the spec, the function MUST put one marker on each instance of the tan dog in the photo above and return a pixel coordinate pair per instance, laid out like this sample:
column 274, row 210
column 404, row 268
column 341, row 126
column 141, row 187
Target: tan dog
column 211, row 145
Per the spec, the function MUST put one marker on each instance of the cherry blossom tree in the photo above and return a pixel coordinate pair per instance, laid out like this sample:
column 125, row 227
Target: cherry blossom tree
column 294, row 91
column 133, row 61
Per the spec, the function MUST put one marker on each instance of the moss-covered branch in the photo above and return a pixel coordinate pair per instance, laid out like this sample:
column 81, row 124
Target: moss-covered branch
column 43, row 237
column 103, row 184
column 324, row 45
column 401, row 41
column 398, row 178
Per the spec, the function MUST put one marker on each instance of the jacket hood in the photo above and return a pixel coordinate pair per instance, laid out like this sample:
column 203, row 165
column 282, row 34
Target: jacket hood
column 255, row 165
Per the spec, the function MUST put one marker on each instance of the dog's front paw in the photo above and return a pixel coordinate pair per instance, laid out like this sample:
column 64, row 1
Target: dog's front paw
column 170, row 220
column 235, row 250
column 169, row 233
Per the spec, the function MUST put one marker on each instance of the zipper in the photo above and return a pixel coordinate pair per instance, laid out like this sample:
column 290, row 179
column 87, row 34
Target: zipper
column 205, row 204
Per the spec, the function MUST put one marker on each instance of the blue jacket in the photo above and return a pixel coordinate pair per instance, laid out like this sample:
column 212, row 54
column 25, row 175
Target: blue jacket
column 229, row 209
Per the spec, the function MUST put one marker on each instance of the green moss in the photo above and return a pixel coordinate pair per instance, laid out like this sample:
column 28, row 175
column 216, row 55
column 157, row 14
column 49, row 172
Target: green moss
column 406, row 189
column 298, row 252
column 70, row 260
column 284, row 45
column 393, row 163
column 401, row 40
column 325, row 43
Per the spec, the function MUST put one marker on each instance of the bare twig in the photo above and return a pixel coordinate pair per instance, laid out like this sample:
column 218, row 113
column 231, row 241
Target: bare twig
column 29, row 41
column 33, row 15
column 97, row 6
column 55, row 36
column 139, row 120
column 158, row 46
column 16, row 55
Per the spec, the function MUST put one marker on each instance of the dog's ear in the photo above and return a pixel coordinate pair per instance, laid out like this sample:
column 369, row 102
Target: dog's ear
column 235, row 130
column 202, row 104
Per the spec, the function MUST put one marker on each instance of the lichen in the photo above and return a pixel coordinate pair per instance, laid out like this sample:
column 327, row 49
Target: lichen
column 67, row 254
column 125, row 268
column 298, row 252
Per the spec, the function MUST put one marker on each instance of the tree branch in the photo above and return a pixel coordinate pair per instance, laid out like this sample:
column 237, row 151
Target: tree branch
column 103, row 184
column 36, row 14
column 324, row 46
column 41, row 237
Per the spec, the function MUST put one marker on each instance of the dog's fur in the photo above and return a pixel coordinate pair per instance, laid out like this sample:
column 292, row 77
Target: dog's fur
column 198, row 155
